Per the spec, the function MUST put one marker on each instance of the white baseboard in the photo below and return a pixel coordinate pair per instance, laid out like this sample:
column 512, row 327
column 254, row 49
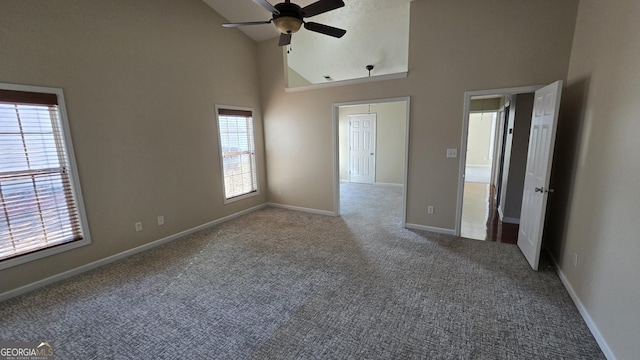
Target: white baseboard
column 510, row 220
column 430, row 229
column 376, row 183
column 84, row 268
column 303, row 209
column 388, row 184
column 506, row 219
column 606, row 350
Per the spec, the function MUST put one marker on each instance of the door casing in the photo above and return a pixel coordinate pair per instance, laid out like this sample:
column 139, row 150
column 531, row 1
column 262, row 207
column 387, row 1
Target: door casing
column 336, row 150
column 465, row 132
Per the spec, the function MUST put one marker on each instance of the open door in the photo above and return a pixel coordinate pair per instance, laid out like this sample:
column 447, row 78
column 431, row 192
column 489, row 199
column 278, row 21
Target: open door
column 544, row 121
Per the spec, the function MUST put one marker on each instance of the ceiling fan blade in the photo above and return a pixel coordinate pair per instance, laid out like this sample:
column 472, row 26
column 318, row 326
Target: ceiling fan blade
column 320, row 7
column 285, row 39
column 265, row 4
column 231, row 25
column 325, row 29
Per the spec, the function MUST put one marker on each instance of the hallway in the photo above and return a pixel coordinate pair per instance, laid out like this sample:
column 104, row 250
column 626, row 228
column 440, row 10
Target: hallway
column 480, row 219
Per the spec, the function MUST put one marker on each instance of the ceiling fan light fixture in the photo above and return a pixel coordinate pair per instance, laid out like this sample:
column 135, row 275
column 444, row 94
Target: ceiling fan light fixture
column 287, row 24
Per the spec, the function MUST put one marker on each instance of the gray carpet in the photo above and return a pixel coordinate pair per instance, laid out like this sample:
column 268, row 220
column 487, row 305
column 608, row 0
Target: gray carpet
column 279, row 284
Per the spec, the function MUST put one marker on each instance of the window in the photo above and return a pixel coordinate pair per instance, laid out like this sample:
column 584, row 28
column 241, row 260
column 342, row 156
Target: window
column 237, row 149
column 40, row 205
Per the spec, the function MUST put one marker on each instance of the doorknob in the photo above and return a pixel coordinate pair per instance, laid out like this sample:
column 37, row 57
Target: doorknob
column 540, row 190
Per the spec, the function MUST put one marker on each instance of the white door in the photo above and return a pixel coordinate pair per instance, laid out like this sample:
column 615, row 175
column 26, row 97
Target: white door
column 362, row 147
column 544, row 121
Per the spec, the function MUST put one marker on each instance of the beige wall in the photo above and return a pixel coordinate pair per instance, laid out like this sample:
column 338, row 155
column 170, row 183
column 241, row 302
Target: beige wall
column 448, row 56
column 390, row 140
column 486, row 104
column 141, row 79
column 296, row 79
column 595, row 208
column 479, row 139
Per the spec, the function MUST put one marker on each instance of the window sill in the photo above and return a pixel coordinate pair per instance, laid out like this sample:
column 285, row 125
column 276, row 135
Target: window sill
column 23, row 259
column 241, row 197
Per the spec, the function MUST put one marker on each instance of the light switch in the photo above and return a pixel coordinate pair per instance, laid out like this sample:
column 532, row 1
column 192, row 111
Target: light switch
column 452, row 153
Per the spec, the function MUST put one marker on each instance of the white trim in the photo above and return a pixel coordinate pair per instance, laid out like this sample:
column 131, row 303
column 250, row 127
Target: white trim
column 76, row 190
column 406, row 162
column 84, row 268
column 492, row 141
column 39, row 254
column 336, row 150
column 465, row 134
column 302, row 209
column 500, row 212
column 399, row 75
column 606, row 350
column 387, row 184
column 430, row 229
column 335, row 139
column 255, row 155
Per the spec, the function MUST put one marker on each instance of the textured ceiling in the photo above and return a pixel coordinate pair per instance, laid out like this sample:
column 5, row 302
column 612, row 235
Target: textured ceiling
column 247, row 10
column 377, row 34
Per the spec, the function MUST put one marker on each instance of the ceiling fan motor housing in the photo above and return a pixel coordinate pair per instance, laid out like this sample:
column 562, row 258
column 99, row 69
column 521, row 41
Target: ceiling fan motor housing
column 289, row 20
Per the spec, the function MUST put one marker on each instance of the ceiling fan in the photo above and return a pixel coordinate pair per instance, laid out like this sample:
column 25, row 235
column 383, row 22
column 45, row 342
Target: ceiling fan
column 289, row 17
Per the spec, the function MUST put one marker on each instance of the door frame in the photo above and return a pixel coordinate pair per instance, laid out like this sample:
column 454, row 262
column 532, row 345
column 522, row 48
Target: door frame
column 336, row 149
column 373, row 148
column 500, row 150
column 465, row 133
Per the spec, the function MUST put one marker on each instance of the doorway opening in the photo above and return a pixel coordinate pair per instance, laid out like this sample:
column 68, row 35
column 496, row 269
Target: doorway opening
column 364, row 158
column 493, row 159
column 479, row 166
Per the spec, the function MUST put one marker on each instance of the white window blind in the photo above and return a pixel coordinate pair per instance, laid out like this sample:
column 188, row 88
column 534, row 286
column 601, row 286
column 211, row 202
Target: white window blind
column 38, row 209
column 238, row 152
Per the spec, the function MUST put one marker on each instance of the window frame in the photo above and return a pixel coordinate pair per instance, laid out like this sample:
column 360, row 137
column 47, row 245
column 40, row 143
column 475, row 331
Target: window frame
column 73, row 178
column 221, row 154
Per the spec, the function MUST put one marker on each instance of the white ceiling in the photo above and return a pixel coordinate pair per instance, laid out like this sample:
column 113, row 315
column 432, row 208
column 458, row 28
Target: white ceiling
column 377, row 34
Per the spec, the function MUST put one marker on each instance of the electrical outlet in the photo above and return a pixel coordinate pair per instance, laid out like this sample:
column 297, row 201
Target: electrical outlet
column 160, row 220
column 429, row 209
column 452, row 153
column 138, row 226
column 575, row 259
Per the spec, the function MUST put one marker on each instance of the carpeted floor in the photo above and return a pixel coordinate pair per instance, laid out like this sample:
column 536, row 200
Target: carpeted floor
column 279, row 284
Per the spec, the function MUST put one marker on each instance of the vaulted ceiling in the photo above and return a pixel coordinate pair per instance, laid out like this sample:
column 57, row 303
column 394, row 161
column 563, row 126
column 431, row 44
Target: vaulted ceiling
column 377, row 34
